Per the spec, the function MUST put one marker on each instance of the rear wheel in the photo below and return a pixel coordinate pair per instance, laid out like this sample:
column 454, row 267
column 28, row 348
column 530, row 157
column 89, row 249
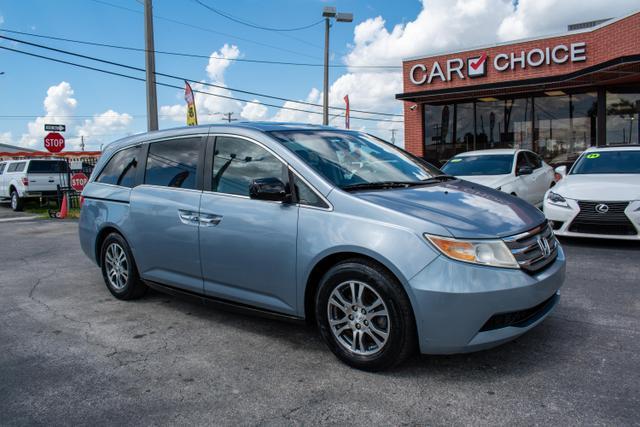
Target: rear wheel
column 364, row 316
column 16, row 201
column 119, row 269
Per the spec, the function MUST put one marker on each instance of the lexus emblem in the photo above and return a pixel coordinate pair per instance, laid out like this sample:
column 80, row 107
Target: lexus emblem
column 545, row 248
column 602, row 208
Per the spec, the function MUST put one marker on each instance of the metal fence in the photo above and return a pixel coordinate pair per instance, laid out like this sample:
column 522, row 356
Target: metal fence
column 65, row 188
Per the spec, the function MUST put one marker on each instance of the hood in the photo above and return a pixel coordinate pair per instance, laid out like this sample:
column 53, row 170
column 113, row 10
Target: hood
column 493, row 181
column 599, row 187
column 465, row 209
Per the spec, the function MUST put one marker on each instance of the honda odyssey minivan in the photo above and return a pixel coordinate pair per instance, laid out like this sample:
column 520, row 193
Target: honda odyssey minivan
column 381, row 250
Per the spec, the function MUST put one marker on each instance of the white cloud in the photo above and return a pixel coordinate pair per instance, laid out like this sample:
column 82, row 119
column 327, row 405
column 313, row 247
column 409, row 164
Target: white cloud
column 102, row 128
column 254, row 111
column 216, row 66
column 209, row 108
column 1, row 19
column 540, row 17
column 60, row 106
column 6, row 138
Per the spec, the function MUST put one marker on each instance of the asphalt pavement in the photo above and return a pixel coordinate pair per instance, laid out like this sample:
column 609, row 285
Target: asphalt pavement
column 72, row 354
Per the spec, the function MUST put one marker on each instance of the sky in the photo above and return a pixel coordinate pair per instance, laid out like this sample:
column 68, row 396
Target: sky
column 103, row 108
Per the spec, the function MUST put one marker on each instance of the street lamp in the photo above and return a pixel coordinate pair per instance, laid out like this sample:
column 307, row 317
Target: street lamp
column 329, row 13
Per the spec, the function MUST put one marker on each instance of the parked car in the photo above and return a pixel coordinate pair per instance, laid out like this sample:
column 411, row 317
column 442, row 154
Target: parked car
column 521, row 173
column 599, row 197
column 32, row 178
column 376, row 246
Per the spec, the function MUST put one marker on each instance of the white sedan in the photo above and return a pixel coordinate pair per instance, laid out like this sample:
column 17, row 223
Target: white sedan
column 519, row 172
column 599, row 197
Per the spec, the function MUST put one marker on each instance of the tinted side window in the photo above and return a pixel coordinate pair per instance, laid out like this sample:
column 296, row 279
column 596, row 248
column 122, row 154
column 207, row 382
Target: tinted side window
column 534, row 160
column 16, row 167
column 2, row 165
column 305, row 195
column 121, row 169
column 237, row 162
column 173, row 163
column 522, row 161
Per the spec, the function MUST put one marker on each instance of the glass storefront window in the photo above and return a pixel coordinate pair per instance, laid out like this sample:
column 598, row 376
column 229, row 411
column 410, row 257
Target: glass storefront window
column 565, row 126
column 465, row 130
column 438, row 127
column 623, row 118
column 504, row 123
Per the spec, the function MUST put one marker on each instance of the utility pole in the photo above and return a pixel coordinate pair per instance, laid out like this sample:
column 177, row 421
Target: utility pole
column 227, row 117
column 150, row 61
column 393, row 136
column 328, row 13
column 82, row 142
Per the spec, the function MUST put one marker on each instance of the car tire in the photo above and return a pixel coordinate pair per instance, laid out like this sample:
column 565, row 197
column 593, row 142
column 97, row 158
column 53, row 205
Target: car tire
column 119, row 269
column 16, row 201
column 367, row 340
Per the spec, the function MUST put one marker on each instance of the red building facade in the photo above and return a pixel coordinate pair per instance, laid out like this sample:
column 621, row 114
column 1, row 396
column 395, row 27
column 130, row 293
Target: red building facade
column 555, row 95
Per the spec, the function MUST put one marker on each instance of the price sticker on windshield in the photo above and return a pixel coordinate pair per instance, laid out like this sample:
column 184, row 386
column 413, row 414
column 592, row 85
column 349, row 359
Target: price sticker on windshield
column 593, row 155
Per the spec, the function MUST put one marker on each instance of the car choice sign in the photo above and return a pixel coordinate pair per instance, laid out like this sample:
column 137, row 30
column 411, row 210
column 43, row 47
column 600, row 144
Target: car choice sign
column 477, row 66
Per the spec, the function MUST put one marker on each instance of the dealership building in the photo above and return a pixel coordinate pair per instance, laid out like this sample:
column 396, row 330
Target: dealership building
column 555, row 95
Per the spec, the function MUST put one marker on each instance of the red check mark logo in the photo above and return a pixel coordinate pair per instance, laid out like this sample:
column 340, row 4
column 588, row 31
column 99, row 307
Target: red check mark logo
column 479, row 62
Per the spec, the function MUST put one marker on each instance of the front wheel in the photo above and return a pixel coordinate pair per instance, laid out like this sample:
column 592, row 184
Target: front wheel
column 364, row 316
column 119, row 269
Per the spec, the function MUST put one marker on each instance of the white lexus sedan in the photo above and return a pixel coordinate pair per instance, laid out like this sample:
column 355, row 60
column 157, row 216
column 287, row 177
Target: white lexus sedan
column 521, row 173
column 599, row 197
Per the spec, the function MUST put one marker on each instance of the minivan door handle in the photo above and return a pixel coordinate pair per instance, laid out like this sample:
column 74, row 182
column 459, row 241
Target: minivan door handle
column 210, row 220
column 188, row 217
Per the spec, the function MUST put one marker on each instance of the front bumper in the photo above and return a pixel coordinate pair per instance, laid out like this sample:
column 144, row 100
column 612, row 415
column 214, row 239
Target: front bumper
column 453, row 302
column 565, row 216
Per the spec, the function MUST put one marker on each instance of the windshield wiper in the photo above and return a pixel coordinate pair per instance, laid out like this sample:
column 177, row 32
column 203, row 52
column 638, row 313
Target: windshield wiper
column 438, row 178
column 381, row 184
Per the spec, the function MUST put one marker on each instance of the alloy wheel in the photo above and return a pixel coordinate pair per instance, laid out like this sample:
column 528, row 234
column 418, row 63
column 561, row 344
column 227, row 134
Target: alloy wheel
column 117, row 266
column 358, row 318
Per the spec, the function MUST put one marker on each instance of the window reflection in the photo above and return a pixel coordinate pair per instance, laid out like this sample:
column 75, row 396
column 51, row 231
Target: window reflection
column 623, row 118
column 565, row 126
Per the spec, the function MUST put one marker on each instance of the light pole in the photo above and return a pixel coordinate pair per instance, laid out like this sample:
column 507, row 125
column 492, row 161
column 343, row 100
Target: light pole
column 328, row 13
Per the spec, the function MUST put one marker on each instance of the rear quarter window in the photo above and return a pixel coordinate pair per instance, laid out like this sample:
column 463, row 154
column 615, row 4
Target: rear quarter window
column 121, row 168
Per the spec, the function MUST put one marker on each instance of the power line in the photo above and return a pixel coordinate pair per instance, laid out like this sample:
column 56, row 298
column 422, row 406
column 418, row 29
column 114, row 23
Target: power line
column 208, row 30
column 252, row 25
column 115, row 73
column 171, row 76
column 195, row 55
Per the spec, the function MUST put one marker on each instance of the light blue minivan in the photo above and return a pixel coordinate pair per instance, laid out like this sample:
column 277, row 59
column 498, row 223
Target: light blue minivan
column 377, row 247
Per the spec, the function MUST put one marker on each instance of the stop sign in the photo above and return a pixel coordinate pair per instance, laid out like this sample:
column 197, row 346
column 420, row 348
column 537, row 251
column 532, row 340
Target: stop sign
column 54, row 142
column 78, row 181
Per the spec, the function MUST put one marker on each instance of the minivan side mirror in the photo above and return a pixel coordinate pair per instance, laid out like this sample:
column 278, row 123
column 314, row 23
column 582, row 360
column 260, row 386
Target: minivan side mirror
column 561, row 170
column 524, row 170
column 269, row 189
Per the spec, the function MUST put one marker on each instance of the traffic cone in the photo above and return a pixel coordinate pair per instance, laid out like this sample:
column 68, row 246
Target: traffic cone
column 63, row 208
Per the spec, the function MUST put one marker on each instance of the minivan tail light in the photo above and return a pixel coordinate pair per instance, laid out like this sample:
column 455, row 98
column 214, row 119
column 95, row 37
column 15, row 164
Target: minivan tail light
column 25, row 181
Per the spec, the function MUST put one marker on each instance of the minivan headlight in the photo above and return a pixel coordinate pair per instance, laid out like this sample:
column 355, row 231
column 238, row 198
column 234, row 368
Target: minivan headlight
column 485, row 252
column 556, row 199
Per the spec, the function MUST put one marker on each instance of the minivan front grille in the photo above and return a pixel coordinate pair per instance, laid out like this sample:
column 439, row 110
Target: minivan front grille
column 534, row 249
column 602, row 218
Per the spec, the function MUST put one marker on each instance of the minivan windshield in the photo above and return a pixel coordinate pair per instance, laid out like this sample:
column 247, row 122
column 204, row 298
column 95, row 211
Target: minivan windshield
column 47, row 166
column 354, row 160
column 484, row 164
column 621, row 161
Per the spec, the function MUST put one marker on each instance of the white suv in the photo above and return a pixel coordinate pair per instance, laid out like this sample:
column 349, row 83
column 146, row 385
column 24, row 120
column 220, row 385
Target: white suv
column 33, row 178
